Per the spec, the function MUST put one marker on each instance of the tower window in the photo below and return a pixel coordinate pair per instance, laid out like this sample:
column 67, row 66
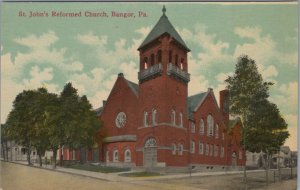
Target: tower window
column 173, row 117
column 145, row 119
column 154, row 112
column 159, row 56
column 152, row 59
column 170, row 56
column 180, row 120
column 145, row 63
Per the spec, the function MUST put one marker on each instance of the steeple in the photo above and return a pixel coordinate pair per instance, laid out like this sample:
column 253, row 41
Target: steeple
column 163, row 26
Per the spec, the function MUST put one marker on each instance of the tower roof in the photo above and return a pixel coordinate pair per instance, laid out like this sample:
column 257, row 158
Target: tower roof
column 163, row 26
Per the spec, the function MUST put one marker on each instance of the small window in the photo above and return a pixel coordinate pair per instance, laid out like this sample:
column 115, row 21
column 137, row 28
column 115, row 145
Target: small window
column 193, row 127
column 159, row 56
column 180, row 149
column 116, row 156
column 173, row 117
column 145, row 119
column 107, row 156
column 174, row 149
column 192, row 147
column 223, row 136
column 180, row 120
column 217, row 131
column 200, row 148
column 145, row 63
column 206, row 149
column 181, row 63
column 154, row 112
column 127, row 156
column 201, row 127
column 33, row 153
column 23, row 150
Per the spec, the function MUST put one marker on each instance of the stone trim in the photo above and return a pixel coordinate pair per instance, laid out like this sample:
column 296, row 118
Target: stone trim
column 124, row 138
column 163, row 124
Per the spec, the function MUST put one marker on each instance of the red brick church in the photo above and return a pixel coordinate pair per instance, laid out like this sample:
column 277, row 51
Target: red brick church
column 156, row 124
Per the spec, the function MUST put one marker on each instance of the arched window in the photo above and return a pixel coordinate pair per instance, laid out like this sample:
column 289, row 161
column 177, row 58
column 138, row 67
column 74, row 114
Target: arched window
column 176, row 60
column 116, row 156
column 145, row 119
column 200, row 148
column 193, row 127
column 127, row 156
column 173, row 117
column 180, row 149
column 217, row 131
column 174, row 149
column 151, row 142
column 201, row 127
column 170, row 56
column 145, row 62
column 152, row 59
column 154, row 112
column 192, row 147
column 210, row 126
column 159, row 56
column 107, row 156
column 206, row 149
column 180, row 120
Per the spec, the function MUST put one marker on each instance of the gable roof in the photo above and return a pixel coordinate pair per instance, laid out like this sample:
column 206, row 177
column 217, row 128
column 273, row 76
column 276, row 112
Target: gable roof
column 134, row 87
column 193, row 101
column 163, row 26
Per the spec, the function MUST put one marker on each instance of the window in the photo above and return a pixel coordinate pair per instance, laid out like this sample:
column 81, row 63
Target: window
column 193, row 127
column 23, row 150
column 200, row 148
column 216, row 150
column 170, row 56
column 211, row 148
column 173, row 117
column 116, row 156
column 154, row 112
column 145, row 119
column 222, row 152
column 201, row 127
column 152, row 60
column 127, row 156
column 206, row 149
column 192, row 147
column 145, row 63
column 181, row 63
column 180, row 120
column 151, row 142
column 210, row 126
column 180, row 149
column 223, row 136
column 174, row 149
column 217, row 131
column 159, row 56
column 240, row 155
column 33, row 153
column 107, row 156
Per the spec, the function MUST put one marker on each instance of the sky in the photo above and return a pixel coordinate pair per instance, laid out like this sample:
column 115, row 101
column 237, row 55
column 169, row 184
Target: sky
column 90, row 51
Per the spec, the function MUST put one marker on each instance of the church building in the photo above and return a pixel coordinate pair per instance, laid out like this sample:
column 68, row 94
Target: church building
column 155, row 124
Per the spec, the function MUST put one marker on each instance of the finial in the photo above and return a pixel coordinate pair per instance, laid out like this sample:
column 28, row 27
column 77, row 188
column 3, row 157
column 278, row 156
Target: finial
column 164, row 10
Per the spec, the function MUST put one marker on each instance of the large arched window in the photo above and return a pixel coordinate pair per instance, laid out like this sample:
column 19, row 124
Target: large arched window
column 152, row 60
column 151, row 142
column 159, row 56
column 180, row 120
column 127, row 156
column 154, row 112
column 201, row 127
column 116, row 156
column 145, row 119
column 217, row 131
column 173, row 117
column 210, row 125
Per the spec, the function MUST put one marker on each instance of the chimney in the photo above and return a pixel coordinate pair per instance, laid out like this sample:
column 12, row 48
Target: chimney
column 120, row 75
column 224, row 104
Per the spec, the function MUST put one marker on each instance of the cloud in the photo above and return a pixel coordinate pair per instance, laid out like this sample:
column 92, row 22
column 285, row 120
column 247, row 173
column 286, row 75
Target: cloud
column 292, row 121
column 91, row 39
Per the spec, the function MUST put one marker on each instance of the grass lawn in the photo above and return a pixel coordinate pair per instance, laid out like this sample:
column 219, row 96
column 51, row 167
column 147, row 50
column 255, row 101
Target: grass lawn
column 102, row 169
column 141, row 174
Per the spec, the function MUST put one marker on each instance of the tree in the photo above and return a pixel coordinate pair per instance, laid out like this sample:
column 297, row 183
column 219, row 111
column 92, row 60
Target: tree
column 247, row 90
column 4, row 140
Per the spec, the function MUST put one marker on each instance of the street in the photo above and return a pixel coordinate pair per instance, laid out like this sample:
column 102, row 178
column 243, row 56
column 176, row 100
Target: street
column 22, row 177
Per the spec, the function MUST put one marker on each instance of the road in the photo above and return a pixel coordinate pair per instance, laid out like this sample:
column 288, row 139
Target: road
column 21, row 177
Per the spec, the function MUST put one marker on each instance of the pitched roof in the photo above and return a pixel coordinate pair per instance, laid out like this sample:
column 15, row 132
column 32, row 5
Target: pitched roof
column 193, row 101
column 163, row 26
column 134, row 87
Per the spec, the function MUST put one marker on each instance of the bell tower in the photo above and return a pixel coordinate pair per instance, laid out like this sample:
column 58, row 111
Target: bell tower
column 163, row 75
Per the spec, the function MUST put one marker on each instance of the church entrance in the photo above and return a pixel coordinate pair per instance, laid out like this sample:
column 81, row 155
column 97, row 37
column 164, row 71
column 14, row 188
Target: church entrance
column 150, row 153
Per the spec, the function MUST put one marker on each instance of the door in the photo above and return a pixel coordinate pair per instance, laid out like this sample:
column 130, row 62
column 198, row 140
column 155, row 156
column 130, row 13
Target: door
column 150, row 153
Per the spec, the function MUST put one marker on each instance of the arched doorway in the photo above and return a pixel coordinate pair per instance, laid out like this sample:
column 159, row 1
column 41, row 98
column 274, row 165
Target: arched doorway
column 150, row 153
column 233, row 160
